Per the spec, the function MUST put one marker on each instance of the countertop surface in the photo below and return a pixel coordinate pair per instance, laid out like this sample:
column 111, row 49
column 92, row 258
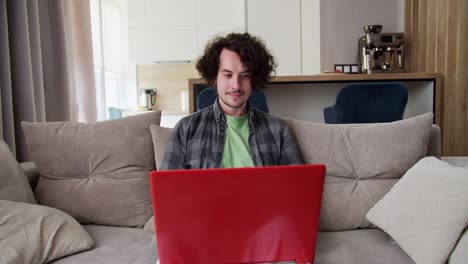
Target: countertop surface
column 343, row 77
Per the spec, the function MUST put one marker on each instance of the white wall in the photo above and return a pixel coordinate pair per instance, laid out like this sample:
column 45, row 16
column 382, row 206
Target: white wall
column 342, row 22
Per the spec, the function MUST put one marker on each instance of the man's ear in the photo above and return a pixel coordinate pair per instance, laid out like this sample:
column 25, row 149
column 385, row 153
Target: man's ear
column 215, row 87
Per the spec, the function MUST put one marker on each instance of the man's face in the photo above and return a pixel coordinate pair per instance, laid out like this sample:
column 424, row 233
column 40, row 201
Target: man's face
column 233, row 84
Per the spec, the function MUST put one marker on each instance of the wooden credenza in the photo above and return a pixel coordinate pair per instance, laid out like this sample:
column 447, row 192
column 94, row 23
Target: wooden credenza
column 304, row 97
column 196, row 85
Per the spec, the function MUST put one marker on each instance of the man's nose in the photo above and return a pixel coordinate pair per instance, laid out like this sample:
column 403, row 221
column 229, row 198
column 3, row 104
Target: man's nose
column 235, row 82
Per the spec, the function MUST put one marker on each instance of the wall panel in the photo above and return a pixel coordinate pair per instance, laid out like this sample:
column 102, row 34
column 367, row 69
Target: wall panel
column 436, row 33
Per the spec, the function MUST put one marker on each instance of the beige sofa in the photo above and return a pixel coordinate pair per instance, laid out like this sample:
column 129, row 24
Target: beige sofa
column 96, row 176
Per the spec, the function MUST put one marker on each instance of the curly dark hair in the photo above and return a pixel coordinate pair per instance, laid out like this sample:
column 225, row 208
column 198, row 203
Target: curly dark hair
column 252, row 52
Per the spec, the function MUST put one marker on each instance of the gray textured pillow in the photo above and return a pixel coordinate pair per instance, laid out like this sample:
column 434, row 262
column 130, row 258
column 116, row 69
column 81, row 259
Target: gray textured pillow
column 160, row 136
column 38, row 234
column 98, row 172
column 14, row 185
column 460, row 253
column 149, row 226
column 363, row 163
column 426, row 211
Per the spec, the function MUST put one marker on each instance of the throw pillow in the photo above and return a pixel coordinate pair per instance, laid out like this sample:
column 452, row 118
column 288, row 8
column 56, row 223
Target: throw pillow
column 460, row 253
column 149, row 226
column 363, row 163
column 14, row 185
column 97, row 172
column 38, row 234
column 160, row 136
column 426, row 211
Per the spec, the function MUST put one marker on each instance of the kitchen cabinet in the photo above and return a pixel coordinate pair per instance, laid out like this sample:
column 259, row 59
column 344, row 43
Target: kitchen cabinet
column 291, row 30
column 177, row 30
column 279, row 25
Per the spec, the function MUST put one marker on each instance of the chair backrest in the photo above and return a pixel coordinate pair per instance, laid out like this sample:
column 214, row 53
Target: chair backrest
column 114, row 112
column 368, row 103
column 208, row 96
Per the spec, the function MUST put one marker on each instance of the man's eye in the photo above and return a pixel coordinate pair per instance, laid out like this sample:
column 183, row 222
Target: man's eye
column 228, row 75
column 246, row 76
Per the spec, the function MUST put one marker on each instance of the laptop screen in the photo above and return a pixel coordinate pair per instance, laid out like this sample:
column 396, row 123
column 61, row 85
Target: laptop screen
column 239, row 215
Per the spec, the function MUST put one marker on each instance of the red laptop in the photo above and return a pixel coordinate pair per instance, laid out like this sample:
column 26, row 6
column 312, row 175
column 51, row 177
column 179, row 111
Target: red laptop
column 241, row 215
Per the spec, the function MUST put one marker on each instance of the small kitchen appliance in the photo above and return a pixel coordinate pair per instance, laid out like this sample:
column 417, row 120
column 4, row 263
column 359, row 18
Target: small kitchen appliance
column 148, row 98
column 381, row 52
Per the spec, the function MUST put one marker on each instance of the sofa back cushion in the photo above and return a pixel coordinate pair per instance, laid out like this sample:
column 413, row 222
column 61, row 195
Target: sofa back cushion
column 14, row 185
column 363, row 163
column 434, row 146
column 160, row 137
column 97, row 172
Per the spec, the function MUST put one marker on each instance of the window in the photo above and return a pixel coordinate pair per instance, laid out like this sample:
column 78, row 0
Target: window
column 115, row 75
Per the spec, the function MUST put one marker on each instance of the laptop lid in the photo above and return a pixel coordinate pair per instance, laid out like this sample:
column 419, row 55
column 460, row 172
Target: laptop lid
column 238, row 215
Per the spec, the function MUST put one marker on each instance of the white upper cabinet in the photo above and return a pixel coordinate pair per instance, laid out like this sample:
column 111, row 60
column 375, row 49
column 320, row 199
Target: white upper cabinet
column 136, row 11
column 278, row 23
column 169, row 13
column 177, row 45
column 220, row 12
column 177, row 30
column 310, row 36
column 291, row 29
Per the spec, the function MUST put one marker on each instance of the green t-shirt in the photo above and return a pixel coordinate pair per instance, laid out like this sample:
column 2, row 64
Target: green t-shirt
column 236, row 147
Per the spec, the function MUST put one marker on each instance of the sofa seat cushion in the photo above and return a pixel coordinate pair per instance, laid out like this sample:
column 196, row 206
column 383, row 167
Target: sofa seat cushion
column 116, row 245
column 96, row 172
column 358, row 247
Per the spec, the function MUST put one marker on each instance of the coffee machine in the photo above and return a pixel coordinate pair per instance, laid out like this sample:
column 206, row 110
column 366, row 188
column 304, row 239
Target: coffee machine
column 381, row 52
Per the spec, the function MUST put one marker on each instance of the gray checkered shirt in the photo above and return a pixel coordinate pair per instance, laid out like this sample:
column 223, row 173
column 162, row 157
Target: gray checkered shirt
column 197, row 141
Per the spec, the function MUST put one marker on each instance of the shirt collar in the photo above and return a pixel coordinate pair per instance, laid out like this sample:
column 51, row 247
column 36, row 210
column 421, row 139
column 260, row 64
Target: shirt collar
column 219, row 115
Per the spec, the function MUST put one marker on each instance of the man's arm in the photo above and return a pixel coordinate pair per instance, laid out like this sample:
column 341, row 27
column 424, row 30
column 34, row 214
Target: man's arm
column 175, row 151
column 289, row 153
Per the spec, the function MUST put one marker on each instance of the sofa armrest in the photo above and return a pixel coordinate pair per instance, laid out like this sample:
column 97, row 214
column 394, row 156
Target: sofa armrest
column 31, row 172
column 460, row 161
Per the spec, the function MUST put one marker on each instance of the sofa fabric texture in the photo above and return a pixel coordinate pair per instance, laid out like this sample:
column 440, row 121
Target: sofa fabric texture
column 363, row 163
column 116, row 245
column 160, row 136
column 363, row 246
column 31, row 233
column 150, row 225
column 435, row 211
column 460, row 253
column 55, row 146
column 14, row 185
column 96, row 172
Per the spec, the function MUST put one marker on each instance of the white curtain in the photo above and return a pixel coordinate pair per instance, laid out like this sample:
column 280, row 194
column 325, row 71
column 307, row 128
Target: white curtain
column 46, row 66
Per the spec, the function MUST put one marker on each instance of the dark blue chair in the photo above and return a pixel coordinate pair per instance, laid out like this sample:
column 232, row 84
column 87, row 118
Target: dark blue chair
column 208, row 96
column 368, row 103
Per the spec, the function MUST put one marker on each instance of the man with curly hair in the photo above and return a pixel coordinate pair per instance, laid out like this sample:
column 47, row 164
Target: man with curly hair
column 232, row 133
